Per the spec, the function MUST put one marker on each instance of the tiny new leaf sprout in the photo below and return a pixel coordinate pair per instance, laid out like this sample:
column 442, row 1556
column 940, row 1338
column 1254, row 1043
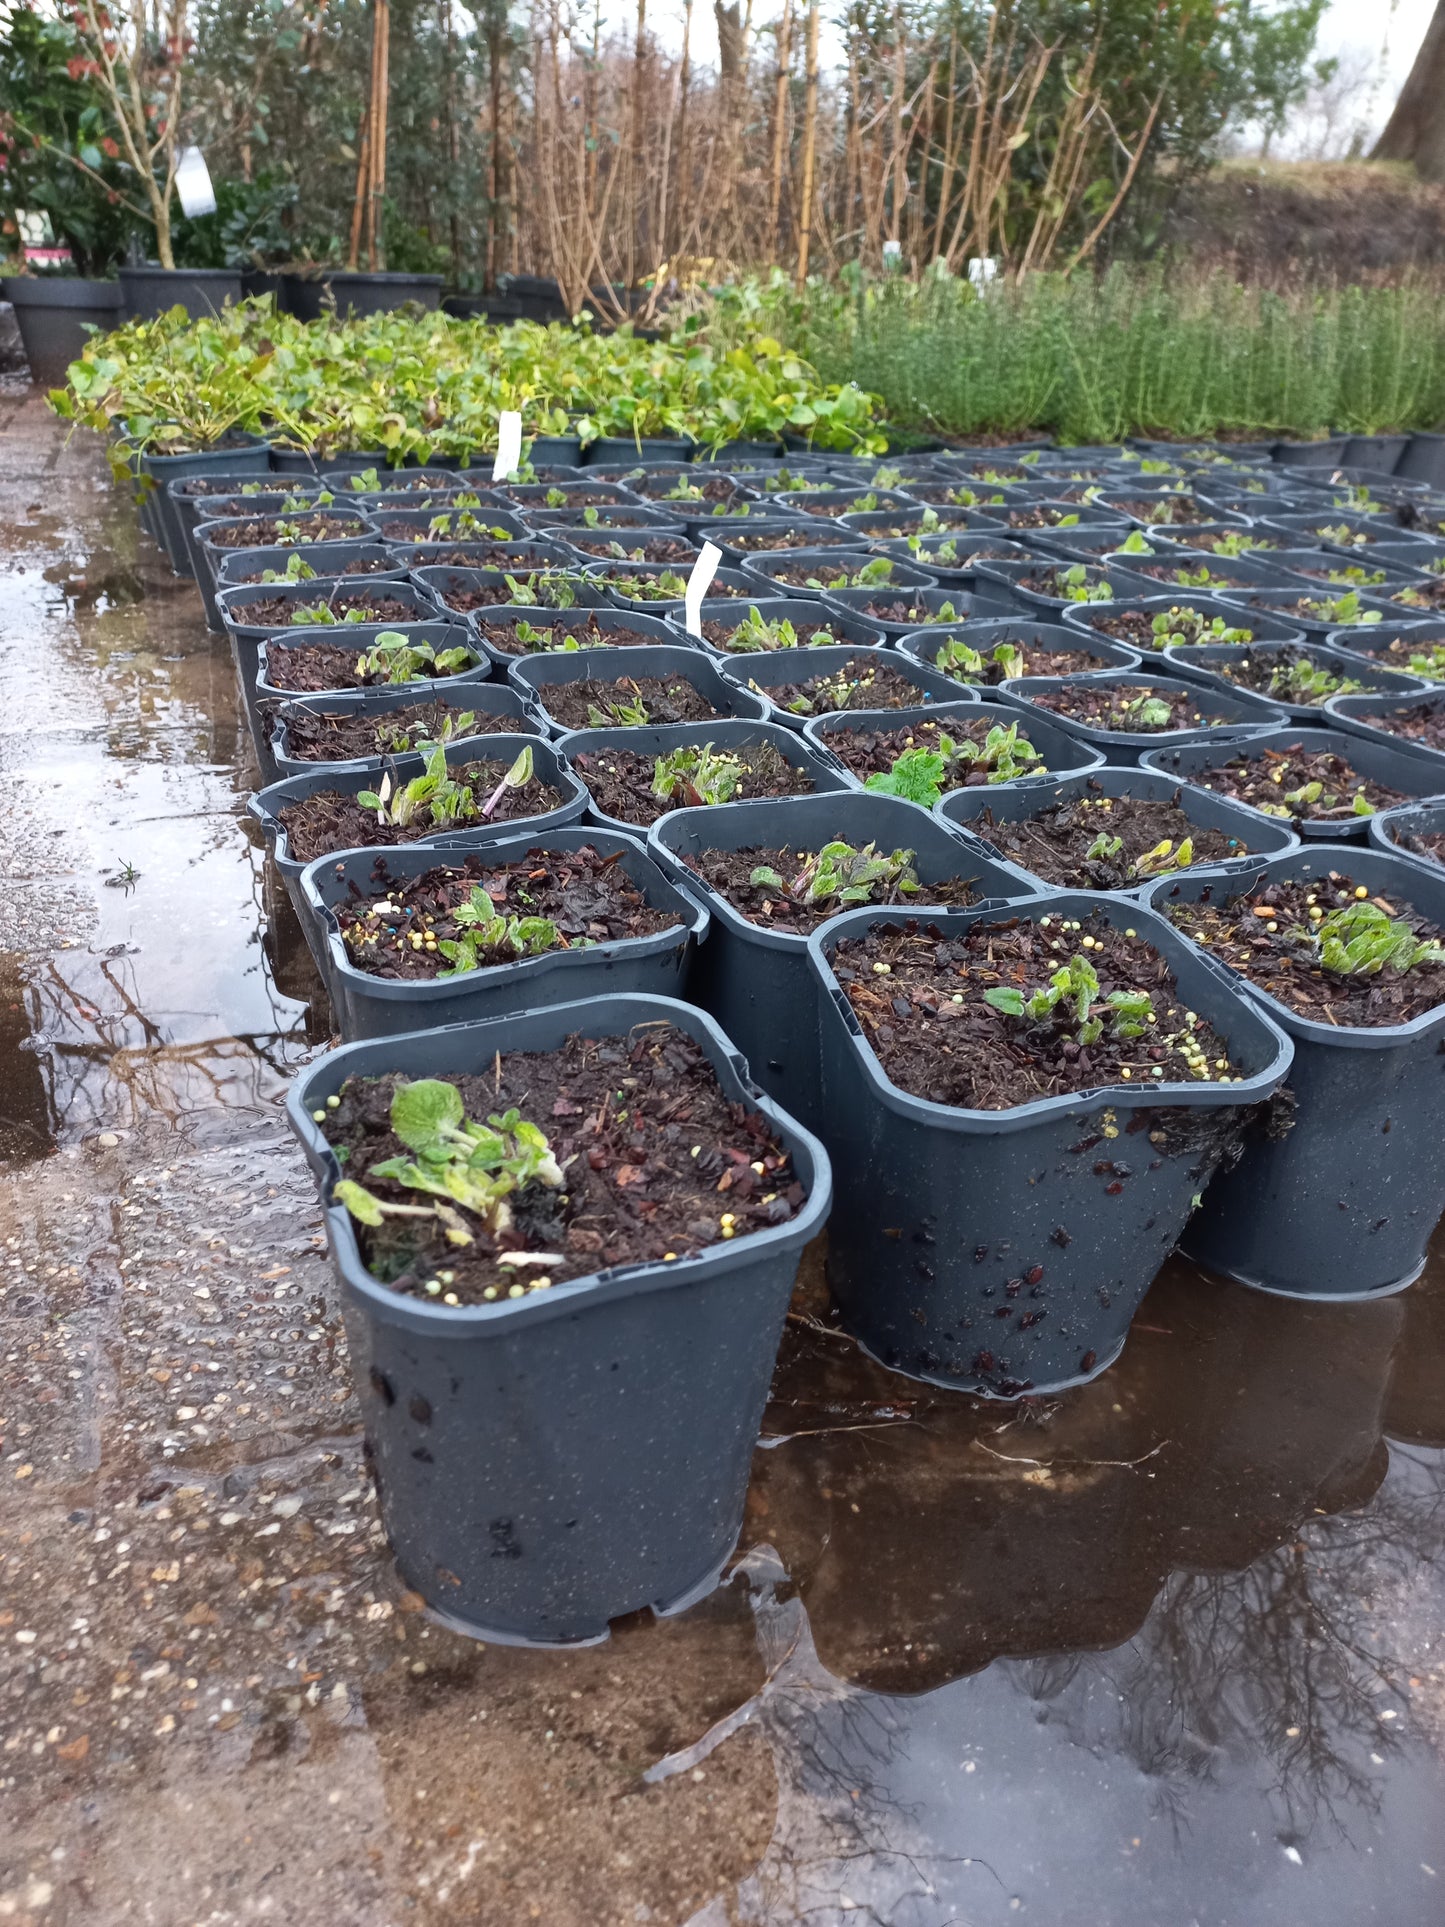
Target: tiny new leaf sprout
column 621, row 711
column 1306, row 682
column 516, row 778
column 1237, row 542
column 1073, row 585
column 956, row 659
column 697, row 775
column 1354, row 575
column 1343, row 610
column 1104, row 847
column 394, row 658
column 435, row 791
column 462, row 1166
column 1146, row 711
column 1182, row 626
column 1134, row 545
column 1429, row 661
column 755, row 633
column 839, row 873
column 297, row 569
column 366, row 482
column 1198, row 575
column 1361, row 940
column 591, row 519
column 1164, row 858
column 1343, row 536
column 921, row 775
column 396, row 738
column 917, row 776
column 556, row 498
column 491, row 939
column 1070, row 1001
column 550, row 589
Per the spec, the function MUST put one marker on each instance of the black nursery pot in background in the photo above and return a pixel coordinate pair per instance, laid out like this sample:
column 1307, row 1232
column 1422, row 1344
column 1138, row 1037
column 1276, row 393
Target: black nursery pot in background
column 999, row 1252
column 1343, row 1204
column 151, row 290
column 55, row 313
column 547, row 1464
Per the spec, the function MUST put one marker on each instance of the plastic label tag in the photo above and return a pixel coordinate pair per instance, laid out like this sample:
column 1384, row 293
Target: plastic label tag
column 698, row 584
column 193, row 184
column 509, row 444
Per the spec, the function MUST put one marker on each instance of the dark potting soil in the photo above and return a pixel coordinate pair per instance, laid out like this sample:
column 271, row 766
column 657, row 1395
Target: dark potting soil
column 870, row 752
column 1058, row 843
column 920, row 999
column 1228, row 539
column 916, row 614
column 867, row 682
column 593, row 703
column 675, row 549
column 1036, row 662
column 1422, row 722
column 824, row 575
column 1268, row 938
column 363, row 565
column 319, row 736
column 620, row 781
column 395, row 929
column 1289, row 675
column 1168, row 508
column 576, row 495
column 753, row 542
column 1037, row 517
column 486, row 595
column 1339, row 574
column 811, row 635
column 468, row 523
column 501, row 554
column 1273, row 780
column 1429, row 596
column 309, row 668
column 657, row 1163
column 1426, row 656
column 1139, row 709
column 280, row 612
column 1055, row 584
column 852, row 505
column 580, row 626
column 1205, row 576
column 284, row 531
column 1426, row 843
column 1135, row 627
column 670, row 488
column 333, row 820
column 1315, row 608
column 653, row 588
column 729, row 872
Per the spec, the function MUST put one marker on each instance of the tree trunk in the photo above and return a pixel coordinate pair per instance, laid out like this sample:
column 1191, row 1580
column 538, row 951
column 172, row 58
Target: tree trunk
column 1416, row 130
column 810, row 144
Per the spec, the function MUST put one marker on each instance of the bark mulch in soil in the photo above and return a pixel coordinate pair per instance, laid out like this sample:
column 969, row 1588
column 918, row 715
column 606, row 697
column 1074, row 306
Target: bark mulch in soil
column 319, row 736
column 1280, row 672
column 281, row 612
column 1311, row 608
column 1421, row 723
column 1267, row 937
column 579, row 626
column 919, row 997
column 1056, row 843
column 310, row 668
column 1426, row 843
column 1425, row 657
column 729, row 873
column 873, row 752
column 620, row 781
column 1268, row 780
column 592, row 703
column 759, row 541
column 362, row 565
column 395, row 929
column 501, row 554
column 917, row 614
column 1131, row 712
column 623, row 1117
column 284, row 531
column 333, row 820
column 867, row 682
column 1135, row 627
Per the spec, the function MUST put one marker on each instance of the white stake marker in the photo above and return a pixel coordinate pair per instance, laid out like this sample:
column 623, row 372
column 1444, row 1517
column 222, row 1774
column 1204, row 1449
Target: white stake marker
column 698, row 584
column 509, row 444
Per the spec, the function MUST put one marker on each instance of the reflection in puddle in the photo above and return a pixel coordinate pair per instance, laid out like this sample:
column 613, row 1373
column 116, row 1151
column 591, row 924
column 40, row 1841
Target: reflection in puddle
column 27, row 1101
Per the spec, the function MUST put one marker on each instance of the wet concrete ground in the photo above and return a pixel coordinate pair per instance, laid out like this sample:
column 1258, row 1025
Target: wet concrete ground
column 1163, row 1653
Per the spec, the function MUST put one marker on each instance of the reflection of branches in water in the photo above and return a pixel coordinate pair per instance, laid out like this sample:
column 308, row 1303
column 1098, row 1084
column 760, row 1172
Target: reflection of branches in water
column 1280, row 1659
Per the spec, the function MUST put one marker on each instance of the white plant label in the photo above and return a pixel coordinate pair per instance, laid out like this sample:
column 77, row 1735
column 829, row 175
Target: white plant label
column 698, row 584
column 509, row 444
column 193, row 184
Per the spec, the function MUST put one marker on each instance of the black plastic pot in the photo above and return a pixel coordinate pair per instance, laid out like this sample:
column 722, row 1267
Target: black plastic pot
column 1305, row 529
column 1197, row 663
column 1000, row 592
column 923, row 645
column 209, row 554
column 756, row 981
column 1343, row 1205
column 621, row 517
column 648, row 448
column 1235, row 574
column 766, row 570
column 1350, row 713
column 1393, row 831
column 732, row 734
column 232, row 606
column 309, row 297
column 1237, row 719
column 1321, row 454
column 879, row 529
column 337, row 468
column 1380, row 452
column 1263, row 628
column 1279, row 604
column 732, row 534
column 240, row 454
column 448, row 525
column 962, row 571
column 368, row 1006
column 964, row 603
column 535, row 674
column 151, row 291
column 339, row 561
column 605, row 619
column 1423, row 460
column 768, row 669
column 189, row 510
column 550, row 1463
column 1400, row 766
column 806, row 615
column 1062, row 753
column 482, row 698
column 55, row 314
column 1016, row 802
column 1002, row 1252
column 598, row 572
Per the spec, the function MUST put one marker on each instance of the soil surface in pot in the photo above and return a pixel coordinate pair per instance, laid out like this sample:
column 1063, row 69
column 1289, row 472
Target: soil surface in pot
column 732, row 874
column 1186, row 575
column 443, row 526
column 1288, row 675
column 579, row 629
column 966, row 665
column 1140, row 709
column 670, row 586
column 1168, row 508
column 1422, row 657
column 623, row 1118
column 334, row 820
column 1340, row 612
column 922, row 1001
column 310, row 668
column 1036, row 516
column 1073, row 843
column 284, row 531
column 1066, row 582
column 1271, row 938
column 362, row 565
column 1281, row 782
column 850, row 574
column 1428, row 596
column 873, row 752
column 850, row 505
column 353, row 605
column 562, row 495
column 1230, row 541
column 748, row 638
column 318, row 736
column 1137, row 629
column 621, row 781
column 500, row 554
column 632, row 701
column 675, row 549
column 867, row 682
column 760, row 541
column 897, row 609
column 1339, row 574
column 403, row 927
column 1426, row 843
column 1422, row 722
column 529, row 589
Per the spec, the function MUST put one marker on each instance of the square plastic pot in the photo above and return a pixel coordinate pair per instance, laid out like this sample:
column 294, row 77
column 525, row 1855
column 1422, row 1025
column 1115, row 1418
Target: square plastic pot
column 534, row 675
column 245, row 456
column 1305, row 529
column 549, row 1463
column 481, row 698
column 733, row 734
column 597, row 574
column 607, row 620
column 336, row 468
column 1125, row 747
column 756, row 981
column 1000, row 592
column 1263, row 628
column 1344, row 1203
column 854, row 602
column 1350, row 712
column 232, row 606
column 734, row 535
column 1278, row 603
column 646, row 448
column 1392, row 830
column 1017, row 802
column 1321, row 454
column 1063, row 754
column 1398, row 766
column 337, row 561
column 765, row 670
column 923, row 645
column 404, row 527
column 191, row 509
column 1380, row 452
column 1195, row 663
column 1003, row 1252
column 369, row 1006
column 1233, row 574
column 769, row 572
column 1423, row 460
column 806, row 614
column 209, row 553
column 969, row 553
